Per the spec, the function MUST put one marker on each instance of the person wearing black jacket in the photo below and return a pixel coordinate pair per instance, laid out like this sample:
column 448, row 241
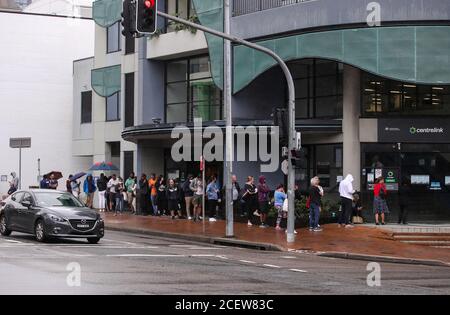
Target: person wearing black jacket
column 403, row 201
column 173, row 199
column 188, row 195
column 144, row 194
column 315, row 195
column 102, row 185
column 236, row 193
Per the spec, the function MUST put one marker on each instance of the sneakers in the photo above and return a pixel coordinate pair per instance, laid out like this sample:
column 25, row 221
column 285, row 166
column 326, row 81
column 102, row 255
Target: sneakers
column 263, row 226
column 212, row 220
column 189, row 218
column 312, row 229
column 256, row 213
column 349, row 226
column 249, row 224
column 278, row 228
column 295, row 232
column 318, row 229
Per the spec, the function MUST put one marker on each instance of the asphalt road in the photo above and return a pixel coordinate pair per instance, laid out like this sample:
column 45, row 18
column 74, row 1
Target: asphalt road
column 134, row 264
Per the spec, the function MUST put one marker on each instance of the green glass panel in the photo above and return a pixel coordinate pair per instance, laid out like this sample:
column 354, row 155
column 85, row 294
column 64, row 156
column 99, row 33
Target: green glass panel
column 107, row 12
column 210, row 14
column 360, row 48
column 106, row 81
column 416, row 54
column 396, row 53
column 433, row 54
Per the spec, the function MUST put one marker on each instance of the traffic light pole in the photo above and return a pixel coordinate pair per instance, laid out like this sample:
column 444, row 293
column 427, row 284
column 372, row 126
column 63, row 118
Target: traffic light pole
column 291, row 108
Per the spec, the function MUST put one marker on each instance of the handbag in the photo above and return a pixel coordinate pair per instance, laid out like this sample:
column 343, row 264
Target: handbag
column 357, row 220
column 286, row 205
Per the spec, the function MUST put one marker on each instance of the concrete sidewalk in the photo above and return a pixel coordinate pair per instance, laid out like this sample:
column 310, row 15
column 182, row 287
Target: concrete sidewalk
column 361, row 242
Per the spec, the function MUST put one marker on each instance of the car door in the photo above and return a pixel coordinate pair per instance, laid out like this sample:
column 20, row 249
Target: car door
column 12, row 208
column 27, row 214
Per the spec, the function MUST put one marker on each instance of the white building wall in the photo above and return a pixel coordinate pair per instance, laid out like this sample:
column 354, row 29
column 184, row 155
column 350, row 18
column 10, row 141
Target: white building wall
column 36, row 91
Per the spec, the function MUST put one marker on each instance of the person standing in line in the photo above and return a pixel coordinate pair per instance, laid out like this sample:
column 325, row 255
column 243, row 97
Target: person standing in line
column 263, row 200
column 13, row 184
column 251, row 199
column 380, row 207
column 236, row 194
column 403, row 202
column 315, row 195
column 212, row 192
column 144, row 195
column 102, row 184
column 75, row 185
column 280, row 196
column 119, row 189
column 346, row 192
column 197, row 187
column 89, row 189
column 112, row 186
column 188, row 195
column 45, row 183
column 129, row 184
column 53, row 183
column 162, row 195
column 68, row 185
column 153, row 194
column 173, row 199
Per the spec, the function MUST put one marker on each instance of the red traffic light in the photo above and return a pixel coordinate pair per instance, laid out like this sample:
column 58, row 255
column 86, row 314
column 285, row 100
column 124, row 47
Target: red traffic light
column 149, row 3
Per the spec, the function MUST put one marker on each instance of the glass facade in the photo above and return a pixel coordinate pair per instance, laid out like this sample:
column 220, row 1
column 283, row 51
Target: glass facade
column 113, row 38
column 190, row 91
column 113, row 107
column 382, row 96
column 319, row 88
column 425, row 167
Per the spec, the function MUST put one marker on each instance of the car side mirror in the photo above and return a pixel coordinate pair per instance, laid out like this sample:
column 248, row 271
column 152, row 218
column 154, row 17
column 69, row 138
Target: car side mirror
column 26, row 204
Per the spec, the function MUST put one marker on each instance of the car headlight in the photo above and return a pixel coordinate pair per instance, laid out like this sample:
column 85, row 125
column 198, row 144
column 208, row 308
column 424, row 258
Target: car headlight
column 57, row 219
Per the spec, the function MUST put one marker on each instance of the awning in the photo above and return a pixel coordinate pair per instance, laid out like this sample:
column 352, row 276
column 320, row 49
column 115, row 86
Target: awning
column 107, row 12
column 106, row 81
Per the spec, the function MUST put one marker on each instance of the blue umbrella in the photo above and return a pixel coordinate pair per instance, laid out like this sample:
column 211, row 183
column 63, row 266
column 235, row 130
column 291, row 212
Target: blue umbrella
column 77, row 176
column 103, row 166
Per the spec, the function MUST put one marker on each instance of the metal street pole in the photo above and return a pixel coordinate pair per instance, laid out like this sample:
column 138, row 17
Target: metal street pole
column 227, row 91
column 20, row 168
column 291, row 108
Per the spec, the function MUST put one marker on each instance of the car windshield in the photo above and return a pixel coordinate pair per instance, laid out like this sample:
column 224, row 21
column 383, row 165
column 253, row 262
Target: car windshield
column 57, row 200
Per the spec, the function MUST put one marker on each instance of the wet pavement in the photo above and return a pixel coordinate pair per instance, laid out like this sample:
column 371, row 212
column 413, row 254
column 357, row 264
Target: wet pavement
column 362, row 240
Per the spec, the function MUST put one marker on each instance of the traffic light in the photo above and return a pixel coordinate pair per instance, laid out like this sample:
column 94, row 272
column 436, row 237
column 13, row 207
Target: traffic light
column 280, row 119
column 129, row 18
column 299, row 158
column 146, row 16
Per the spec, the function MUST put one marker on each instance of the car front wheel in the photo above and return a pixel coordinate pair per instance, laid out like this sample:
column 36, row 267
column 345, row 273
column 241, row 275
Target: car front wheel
column 39, row 231
column 3, row 227
column 93, row 240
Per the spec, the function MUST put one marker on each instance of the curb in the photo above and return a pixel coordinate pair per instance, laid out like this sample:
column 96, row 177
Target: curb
column 385, row 259
column 203, row 239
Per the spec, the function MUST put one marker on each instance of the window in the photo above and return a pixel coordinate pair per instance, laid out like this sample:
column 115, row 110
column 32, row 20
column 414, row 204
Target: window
column 191, row 92
column 113, row 107
column 381, row 96
column 181, row 8
column 129, row 100
column 319, row 88
column 130, row 45
column 86, row 107
column 113, row 38
column 128, row 163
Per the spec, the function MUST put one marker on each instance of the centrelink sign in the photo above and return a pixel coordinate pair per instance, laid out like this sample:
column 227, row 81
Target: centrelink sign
column 427, row 130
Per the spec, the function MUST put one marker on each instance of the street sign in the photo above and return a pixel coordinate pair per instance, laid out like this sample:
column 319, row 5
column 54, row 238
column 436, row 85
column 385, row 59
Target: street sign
column 19, row 143
column 285, row 167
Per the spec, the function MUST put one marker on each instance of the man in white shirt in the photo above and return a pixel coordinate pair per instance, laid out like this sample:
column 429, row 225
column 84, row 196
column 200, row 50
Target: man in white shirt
column 346, row 192
column 112, row 187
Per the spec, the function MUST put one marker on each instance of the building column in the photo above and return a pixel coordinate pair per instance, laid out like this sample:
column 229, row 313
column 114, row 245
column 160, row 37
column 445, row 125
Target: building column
column 350, row 124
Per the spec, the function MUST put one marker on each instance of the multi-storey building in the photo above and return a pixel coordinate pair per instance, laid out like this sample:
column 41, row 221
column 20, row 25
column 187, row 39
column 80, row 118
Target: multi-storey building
column 372, row 87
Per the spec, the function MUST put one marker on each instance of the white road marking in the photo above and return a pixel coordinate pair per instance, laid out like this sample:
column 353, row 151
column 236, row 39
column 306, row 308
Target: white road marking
column 13, row 241
column 203, row 248
column 247, row 261
column 271, row 266
column 143, row 255
column 222, row 257
column 288, row 257
column 299, row 270
column 180, row 245
column 202, row 255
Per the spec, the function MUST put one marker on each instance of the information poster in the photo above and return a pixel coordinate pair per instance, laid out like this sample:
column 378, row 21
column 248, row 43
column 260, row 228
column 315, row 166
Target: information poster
column 420, row 179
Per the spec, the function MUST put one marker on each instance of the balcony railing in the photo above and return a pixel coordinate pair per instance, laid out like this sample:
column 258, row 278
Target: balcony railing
column 242, row 7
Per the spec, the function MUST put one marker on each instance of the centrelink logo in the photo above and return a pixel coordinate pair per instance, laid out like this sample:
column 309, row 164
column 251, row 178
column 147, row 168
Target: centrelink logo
column 413, row 130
